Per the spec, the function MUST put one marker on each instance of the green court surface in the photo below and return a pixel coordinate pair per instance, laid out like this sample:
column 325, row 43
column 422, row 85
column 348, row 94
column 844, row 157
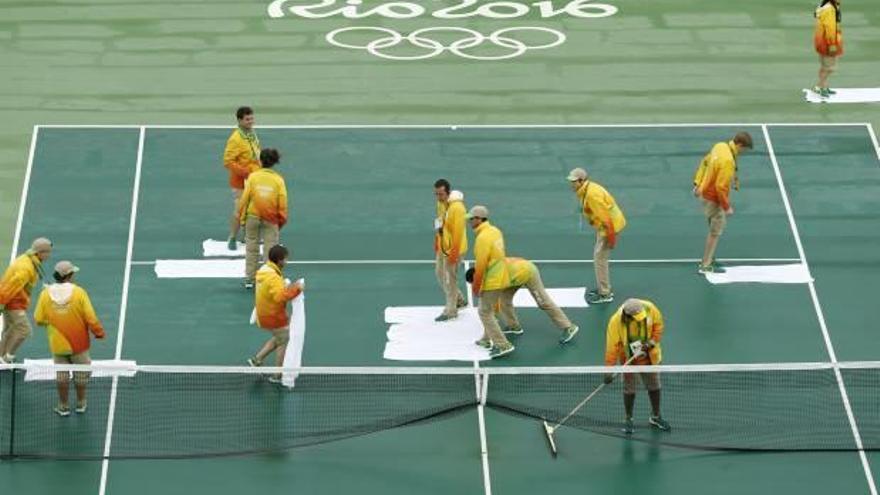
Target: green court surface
column 361, row 203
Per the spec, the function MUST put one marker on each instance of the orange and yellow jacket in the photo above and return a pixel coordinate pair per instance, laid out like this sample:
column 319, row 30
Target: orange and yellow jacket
column 618, row 336
column 241, row 156
column 19, row 280
column 264, row 196
column 272, row 296
column 521, row 271
column 490, row 270
column 715, row 174
column 450, row 238
column 67, row 313
column 600, row 209
column 827, row 32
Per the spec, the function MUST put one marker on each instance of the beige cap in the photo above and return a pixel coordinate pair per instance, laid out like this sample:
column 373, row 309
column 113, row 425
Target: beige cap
column 635, row 308
column 577, row 174
column 478, row 211
column 65, row 268
column 41, row 245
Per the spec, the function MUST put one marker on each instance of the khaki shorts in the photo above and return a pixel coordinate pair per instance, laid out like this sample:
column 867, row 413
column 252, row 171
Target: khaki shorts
column 15, row 321
column 281, row 336
column 651, row 381
column 715, row 216
column 80, row 377
column 828, row 62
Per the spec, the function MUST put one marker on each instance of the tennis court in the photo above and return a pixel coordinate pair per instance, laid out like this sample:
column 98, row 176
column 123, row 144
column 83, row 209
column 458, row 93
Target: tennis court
column 117, row 199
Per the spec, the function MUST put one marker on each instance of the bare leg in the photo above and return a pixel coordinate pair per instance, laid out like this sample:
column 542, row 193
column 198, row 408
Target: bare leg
column 267, row 349
column 63, row 385
column 709, row 251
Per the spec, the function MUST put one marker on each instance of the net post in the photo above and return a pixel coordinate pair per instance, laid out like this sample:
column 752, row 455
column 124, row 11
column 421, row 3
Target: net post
column 11, row 452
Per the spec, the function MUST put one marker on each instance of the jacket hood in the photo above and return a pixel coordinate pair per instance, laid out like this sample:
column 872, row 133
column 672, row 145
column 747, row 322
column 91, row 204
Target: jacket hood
column 61, row 293
column 456, row 196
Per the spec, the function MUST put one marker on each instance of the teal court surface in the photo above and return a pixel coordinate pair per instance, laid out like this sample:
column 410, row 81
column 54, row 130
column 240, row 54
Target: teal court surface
column 116, row 199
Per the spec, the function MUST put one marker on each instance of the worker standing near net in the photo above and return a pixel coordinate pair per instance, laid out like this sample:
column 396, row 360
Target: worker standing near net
column 524, row 273
column 15, row 296
column 490, row 279
column 66, row 311
column 272, row 294
column 828, row 41
column 602, row 212
column 712, row 182
column 450, row 244
column 262, row 211
column 241, row 157
column 636, row 329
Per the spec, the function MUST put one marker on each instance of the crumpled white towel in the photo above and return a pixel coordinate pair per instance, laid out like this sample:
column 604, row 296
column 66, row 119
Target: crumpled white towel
column 845, row 95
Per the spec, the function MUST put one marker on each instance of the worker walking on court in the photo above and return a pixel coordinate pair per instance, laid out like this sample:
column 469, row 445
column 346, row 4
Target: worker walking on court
column 262, row 211
column 66, row 311
column 450, row 244
column 524, row 273
column 16, row 287
column 490, row 279
column 636, row 329
column 602, row 212
column 241, row 157
column 712, row 182
column 271, row 297
column 828, row 41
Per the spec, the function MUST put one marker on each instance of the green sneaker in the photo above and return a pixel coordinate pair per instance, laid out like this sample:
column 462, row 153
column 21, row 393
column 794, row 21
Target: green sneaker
column 513, row 331
column 822, row 92
column 568, row 334
column 597, row 298
column 498, row 352
column 711, row 269
column 628, row 427
column 484, row 343
column 659, row 423
column 231, row 244
column 829, row 92
column 444, row 317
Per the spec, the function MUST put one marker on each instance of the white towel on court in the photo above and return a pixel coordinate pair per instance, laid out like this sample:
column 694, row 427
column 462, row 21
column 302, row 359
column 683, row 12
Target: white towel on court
column 796, row 273
column 846, row 95
column 41, row 369
column 415, row 336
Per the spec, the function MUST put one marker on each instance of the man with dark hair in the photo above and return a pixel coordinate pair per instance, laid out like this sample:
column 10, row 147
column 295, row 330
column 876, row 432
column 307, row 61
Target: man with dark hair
column 271, row 297
column 490, row 279
column 712, row 181
column 633, row 334
column 15, row 296
column 262, row 211
column 67, row 313
column 241, row 157
column 450, row 244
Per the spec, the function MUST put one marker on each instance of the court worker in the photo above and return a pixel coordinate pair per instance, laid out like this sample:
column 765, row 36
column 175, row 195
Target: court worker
column 490, row 279
column 241, row 157
column 16, row 287
column 450, row 244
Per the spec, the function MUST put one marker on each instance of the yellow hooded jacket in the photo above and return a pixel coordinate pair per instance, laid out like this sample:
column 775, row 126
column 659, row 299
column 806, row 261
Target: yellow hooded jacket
column 67, row 313
column 271, row 297
column 490, row 270
column 827, row 32
column 450, row 238
column 264, row 196
column 716, row 172
column 618, row 336
column 19, row 280
column 601, row 210
column 241, row 156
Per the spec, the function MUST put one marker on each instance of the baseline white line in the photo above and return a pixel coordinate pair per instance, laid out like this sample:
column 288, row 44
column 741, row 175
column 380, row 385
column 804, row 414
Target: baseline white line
column 546, row 262
column 481, row 381
column 24, row 193
column 457, row 126
column 873, row 139
column 829, row 346
column 123, row 308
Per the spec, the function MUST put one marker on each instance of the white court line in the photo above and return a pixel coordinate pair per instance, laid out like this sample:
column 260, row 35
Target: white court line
column 873, row 139
column 481, row 382
column 829, row 346
column 456, row 126
column 545, row 262
column 123, row 308
column 24, row 194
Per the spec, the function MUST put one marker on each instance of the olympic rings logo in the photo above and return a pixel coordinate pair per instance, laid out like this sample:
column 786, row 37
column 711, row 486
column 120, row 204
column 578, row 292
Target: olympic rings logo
column 461, row 47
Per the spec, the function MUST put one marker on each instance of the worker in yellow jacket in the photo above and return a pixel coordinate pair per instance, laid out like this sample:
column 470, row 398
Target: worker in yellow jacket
column 262, row 211
column 712, row 182
column 67, row 313
column 241, row 157
column 490, row 279
column 15, row 296
column 828, row 41
column 271, row 297
column 634, row 331
column 602, row 212
column 524, row 273
column 450, row 245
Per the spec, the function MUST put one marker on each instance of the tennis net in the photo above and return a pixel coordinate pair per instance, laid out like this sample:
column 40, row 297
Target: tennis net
column 188, row 411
